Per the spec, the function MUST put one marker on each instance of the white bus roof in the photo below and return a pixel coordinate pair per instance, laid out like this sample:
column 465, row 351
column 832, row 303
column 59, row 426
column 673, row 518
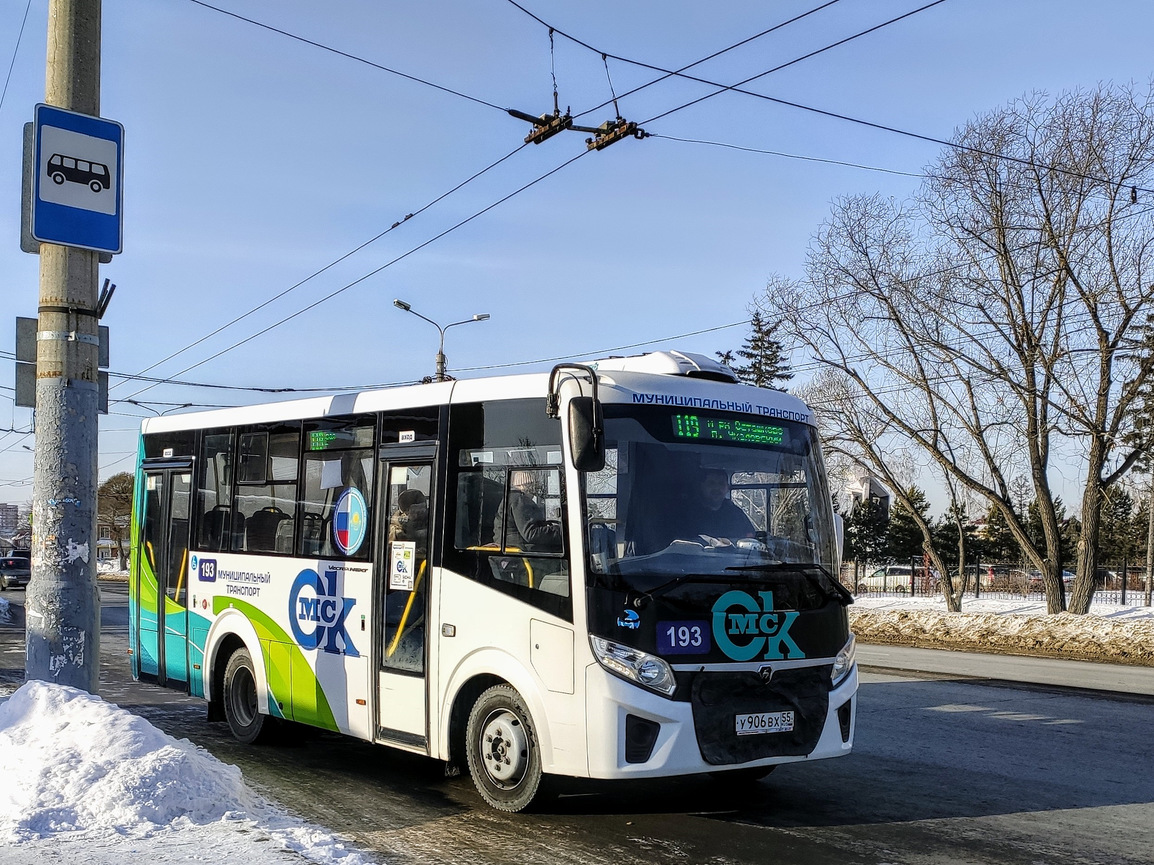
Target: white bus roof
column 676, row 379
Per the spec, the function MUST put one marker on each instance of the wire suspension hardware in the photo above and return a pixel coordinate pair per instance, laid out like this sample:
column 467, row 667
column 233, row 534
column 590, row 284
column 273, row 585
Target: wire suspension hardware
column 612, row 131
column 545, row 126
column 548, row 125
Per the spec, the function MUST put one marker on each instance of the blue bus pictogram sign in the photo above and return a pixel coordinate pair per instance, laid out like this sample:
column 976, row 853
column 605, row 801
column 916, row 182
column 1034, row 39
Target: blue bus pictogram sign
column 77, row 171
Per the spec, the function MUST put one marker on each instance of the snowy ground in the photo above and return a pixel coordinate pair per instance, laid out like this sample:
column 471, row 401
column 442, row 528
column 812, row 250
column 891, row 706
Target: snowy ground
column 88, row 782
column 1113, row 634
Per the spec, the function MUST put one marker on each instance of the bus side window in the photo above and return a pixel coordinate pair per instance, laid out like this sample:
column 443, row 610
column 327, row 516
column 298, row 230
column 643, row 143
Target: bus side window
column 266, row 489
column 338, row 459
column 219, row 524
column 494, row 447
column 478, row 502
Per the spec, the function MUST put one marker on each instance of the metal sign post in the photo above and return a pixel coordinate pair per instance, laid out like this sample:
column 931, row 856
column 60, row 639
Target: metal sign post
column 76, row 215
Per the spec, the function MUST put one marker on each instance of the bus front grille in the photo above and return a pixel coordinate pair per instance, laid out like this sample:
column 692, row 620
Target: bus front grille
column 719, row 698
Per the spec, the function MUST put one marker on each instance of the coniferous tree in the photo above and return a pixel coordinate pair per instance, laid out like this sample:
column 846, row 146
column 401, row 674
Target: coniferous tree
column 761, row 360
column 865, row 532
column 904, row 538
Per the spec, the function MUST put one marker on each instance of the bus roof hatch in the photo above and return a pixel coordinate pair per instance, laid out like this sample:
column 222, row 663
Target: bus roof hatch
column 670, row 363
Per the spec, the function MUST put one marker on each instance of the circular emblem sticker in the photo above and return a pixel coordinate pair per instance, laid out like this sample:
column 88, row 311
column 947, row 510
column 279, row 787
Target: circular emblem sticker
column 350, row 521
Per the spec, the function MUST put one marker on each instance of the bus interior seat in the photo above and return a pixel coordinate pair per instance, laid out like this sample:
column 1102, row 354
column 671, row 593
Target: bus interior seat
column 261, row 529
column 311, row 533
column 219, row 526
column 284, row 536
column 556, row 583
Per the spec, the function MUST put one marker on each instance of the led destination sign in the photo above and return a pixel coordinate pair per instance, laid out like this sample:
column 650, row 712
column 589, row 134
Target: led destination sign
column 693, row 426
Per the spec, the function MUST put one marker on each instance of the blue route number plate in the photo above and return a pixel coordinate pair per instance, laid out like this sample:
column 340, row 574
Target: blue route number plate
column 763, row 722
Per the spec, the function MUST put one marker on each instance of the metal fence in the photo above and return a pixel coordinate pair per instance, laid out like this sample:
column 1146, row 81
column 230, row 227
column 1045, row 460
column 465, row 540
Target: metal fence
column 1001, row 581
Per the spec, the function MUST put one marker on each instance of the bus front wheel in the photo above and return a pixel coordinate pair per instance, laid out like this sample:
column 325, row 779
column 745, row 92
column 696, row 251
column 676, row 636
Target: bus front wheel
column 504, row 756
column 248, row 725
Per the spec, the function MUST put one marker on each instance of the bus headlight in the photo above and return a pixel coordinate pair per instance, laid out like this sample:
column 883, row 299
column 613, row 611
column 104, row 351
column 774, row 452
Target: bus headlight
column 843, row 663
column 646, row 670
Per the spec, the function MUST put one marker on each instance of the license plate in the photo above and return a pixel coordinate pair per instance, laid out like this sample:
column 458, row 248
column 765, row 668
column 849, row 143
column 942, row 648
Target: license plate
column 763, row 722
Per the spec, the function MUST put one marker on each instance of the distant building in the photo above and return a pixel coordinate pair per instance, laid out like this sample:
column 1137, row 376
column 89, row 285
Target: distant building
column 9, row 526
column 9, row 520
column 868, row 488
column 108, row 548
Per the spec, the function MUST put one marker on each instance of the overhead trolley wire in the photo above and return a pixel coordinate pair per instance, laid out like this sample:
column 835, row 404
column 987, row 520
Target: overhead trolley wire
column 349, row 55
column 953, row 145
column 604, row 351
column 745, row 149
column 738, row 88
column 722, row 88
column 15, row 51
column 362, row 246
column 377, row 270
column 333, row 263
column 667, row 73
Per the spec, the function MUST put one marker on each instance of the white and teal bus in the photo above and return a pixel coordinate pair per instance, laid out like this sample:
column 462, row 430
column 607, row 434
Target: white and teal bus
column 518, row 575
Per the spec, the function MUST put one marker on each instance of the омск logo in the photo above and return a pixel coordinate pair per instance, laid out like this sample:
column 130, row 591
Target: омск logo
column 314, row 600
column 742, row 628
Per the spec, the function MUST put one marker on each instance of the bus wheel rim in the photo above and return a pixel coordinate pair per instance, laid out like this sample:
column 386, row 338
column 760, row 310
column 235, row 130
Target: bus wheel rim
column 504, row 748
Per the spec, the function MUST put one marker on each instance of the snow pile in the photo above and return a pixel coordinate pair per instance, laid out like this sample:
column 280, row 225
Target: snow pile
column 5, row 610
column 1123, row 635
column 79, row 769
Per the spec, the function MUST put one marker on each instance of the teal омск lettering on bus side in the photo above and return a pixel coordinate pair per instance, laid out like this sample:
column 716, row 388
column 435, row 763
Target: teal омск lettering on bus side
column 315, row 602
column 744, row 628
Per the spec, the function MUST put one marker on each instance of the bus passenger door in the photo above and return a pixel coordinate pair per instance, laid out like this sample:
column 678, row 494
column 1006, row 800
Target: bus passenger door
column 403, row 574
column 162, row 573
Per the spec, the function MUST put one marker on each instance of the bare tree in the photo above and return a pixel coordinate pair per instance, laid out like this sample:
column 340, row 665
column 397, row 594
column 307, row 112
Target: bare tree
column 114, row 508
column 854, row 430
column 989, row 318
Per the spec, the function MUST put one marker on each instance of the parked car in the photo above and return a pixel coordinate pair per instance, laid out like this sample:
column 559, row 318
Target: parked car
column 1036, row 584
column 15, row 570
column 896, row 578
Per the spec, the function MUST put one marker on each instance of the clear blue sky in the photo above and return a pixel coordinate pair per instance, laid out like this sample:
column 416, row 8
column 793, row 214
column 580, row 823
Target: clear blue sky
column 254, row 159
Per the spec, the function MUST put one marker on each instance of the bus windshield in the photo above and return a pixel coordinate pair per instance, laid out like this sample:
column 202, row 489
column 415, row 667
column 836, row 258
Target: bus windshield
column 687, row 492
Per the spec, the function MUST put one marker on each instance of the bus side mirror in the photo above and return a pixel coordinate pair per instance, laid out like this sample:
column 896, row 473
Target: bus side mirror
column 839, row 534
column 586, row 434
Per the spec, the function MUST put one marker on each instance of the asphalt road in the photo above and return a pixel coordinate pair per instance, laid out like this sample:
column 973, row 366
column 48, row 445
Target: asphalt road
column 946, row 769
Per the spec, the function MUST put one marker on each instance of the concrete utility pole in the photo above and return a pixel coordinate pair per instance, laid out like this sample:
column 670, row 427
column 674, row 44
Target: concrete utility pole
column 63, row 608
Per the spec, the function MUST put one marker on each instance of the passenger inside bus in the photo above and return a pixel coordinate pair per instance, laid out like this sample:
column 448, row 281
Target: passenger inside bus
column 410, row 521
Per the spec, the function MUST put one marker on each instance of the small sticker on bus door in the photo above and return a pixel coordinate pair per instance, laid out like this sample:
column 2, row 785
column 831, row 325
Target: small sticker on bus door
column 402, row 564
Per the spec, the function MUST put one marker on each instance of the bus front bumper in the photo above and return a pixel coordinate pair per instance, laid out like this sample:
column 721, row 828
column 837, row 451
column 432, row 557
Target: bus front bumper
column 635, row 733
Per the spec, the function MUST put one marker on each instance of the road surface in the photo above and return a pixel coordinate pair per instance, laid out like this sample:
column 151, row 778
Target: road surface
column 946, row 768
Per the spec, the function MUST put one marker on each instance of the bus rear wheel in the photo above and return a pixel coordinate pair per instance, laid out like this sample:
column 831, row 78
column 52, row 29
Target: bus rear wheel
column 241, row 707
column 502, row 749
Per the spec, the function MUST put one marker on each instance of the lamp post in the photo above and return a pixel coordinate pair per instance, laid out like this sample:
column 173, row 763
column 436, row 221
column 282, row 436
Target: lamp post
column 440, row 376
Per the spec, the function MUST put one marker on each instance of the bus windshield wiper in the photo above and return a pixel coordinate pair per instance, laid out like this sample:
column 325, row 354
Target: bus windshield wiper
column 839, row 593
column 684, row 578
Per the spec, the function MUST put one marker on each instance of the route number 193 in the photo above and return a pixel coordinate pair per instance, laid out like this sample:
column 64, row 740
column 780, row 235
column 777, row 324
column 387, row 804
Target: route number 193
column 683, row 638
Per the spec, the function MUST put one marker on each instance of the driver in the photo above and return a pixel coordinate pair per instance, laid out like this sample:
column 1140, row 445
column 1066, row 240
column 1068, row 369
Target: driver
column 713, row 514
column 521, row 521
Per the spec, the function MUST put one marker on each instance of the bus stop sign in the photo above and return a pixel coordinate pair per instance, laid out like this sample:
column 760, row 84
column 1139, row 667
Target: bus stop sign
column 76, row 180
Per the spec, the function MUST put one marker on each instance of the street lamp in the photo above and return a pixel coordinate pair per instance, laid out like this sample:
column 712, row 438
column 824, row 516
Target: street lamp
column 440, row 376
